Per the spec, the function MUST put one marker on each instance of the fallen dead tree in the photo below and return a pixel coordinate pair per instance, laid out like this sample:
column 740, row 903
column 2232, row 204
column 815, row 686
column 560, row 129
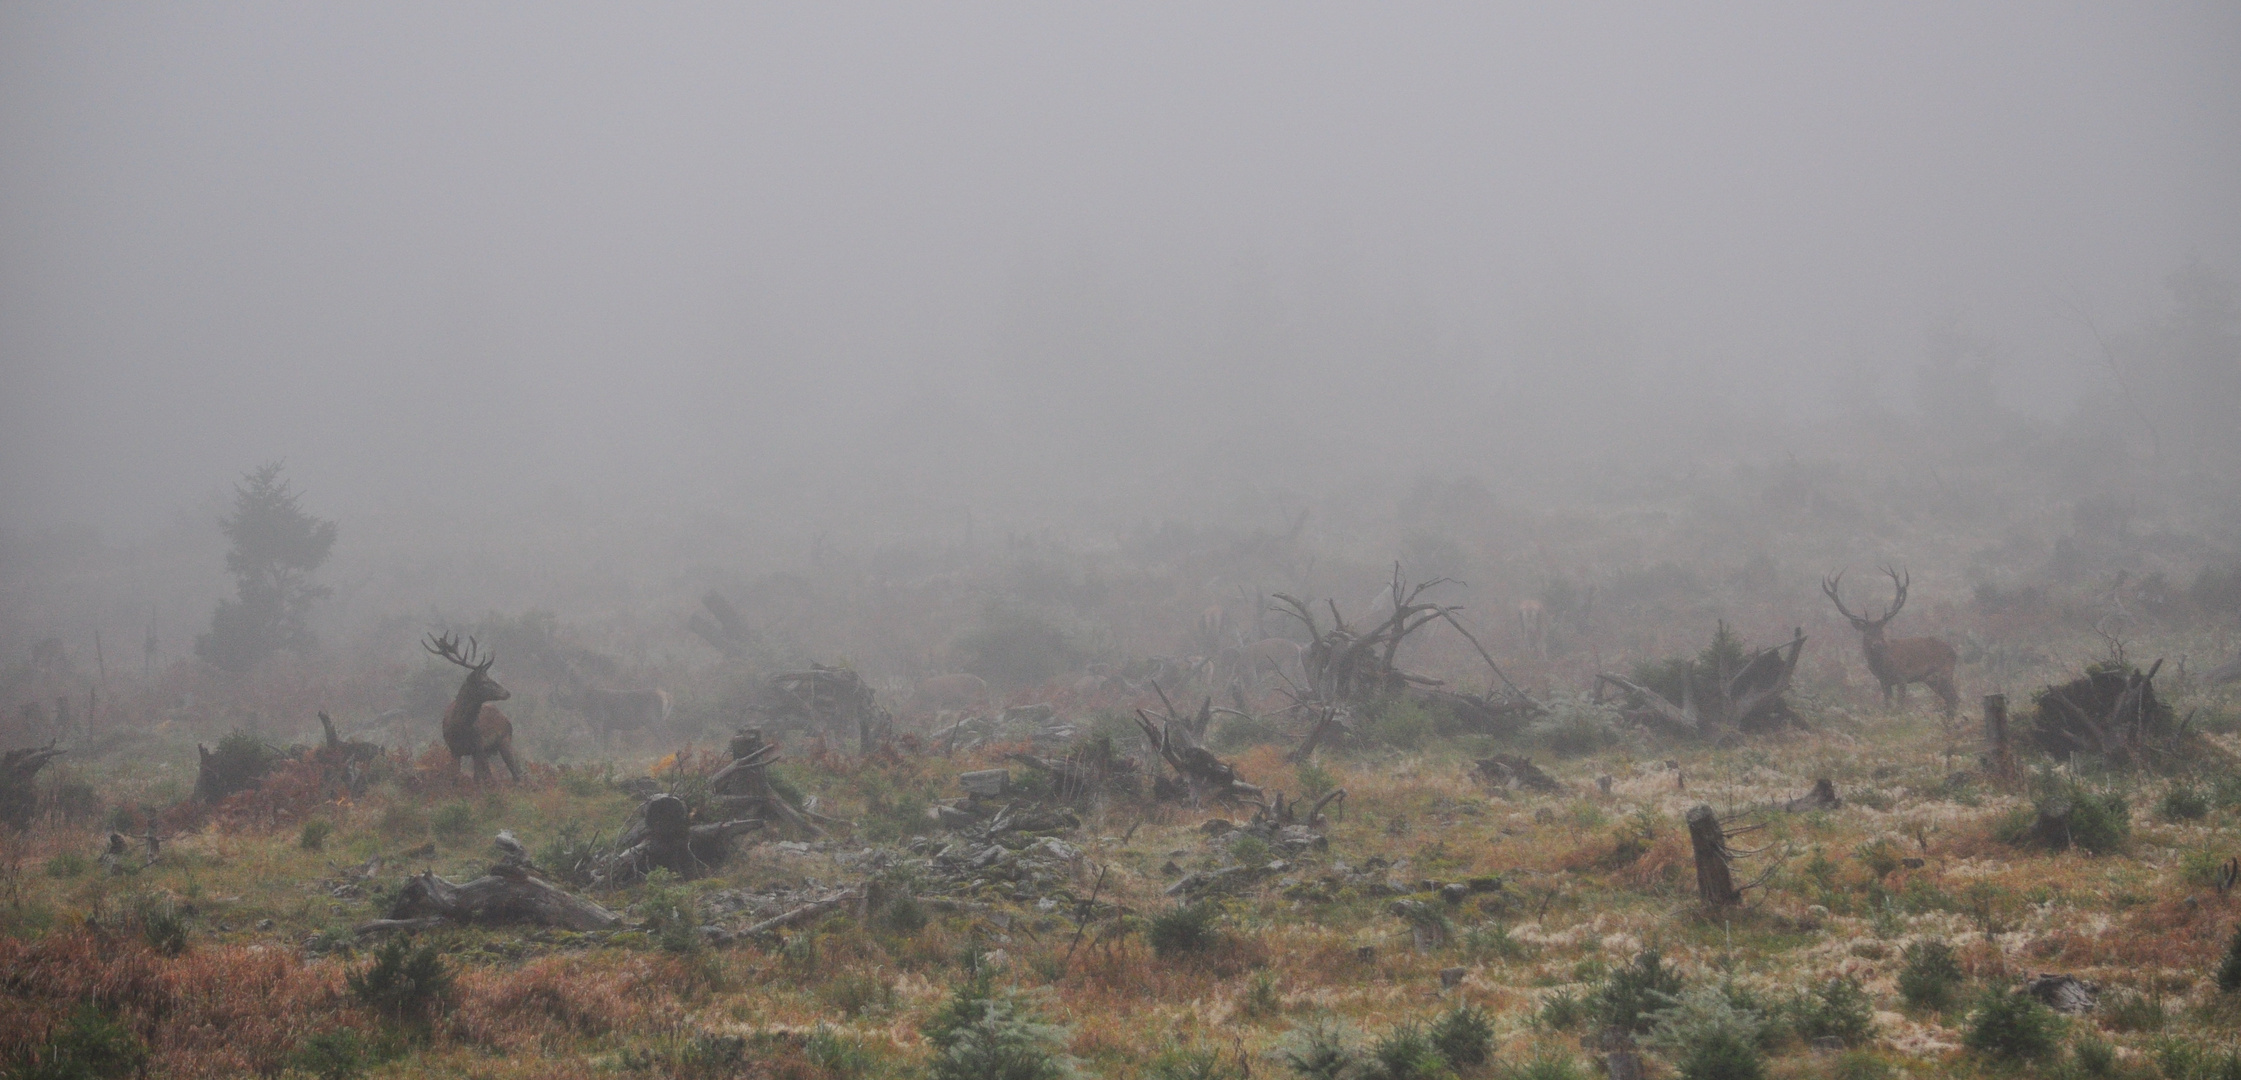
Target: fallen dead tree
column 509, row 894
column 1718, row 693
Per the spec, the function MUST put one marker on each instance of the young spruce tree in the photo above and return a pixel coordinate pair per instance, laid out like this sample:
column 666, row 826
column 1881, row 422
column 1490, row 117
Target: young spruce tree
column 276, row 546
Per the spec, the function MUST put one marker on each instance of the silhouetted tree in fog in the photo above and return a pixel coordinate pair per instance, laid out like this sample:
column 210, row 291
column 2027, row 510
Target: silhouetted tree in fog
column 276, row 546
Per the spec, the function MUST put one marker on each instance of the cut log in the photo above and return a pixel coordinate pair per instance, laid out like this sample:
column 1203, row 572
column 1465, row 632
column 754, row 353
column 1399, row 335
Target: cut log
column 1715, row 880
column 805, row 911
column 507, row 895
column 989, row 782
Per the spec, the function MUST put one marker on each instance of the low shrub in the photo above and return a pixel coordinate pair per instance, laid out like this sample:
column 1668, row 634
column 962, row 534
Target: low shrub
column 453, row 820
column 1545, row 1068
column 1723, row 1057
column 983, row 1036
column 339, row 1054
column 1462, row 1035
column 1182, row 1063
column 2125, row 1010
column 2229, row 971
column 1565, row 1011
column 88, row 1045
column 68, row 864
column 1184, row 930
column 1404, row 1053
column 2183, row 802
column 1319, row 1051
column 403, row 984
column 2012, row 1026
column 1837, row 1009
column 160, row 924
column 1931, row 977
column 314, row 834
column 1631, row 994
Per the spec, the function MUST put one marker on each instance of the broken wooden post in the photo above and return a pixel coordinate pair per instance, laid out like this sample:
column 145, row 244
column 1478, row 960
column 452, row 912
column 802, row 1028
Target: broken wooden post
column 1715, row 882
column 1999, row 752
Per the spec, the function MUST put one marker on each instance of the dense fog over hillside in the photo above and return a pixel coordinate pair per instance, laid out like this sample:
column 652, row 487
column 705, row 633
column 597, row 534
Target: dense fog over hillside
column 553, row 289
column 430, row 254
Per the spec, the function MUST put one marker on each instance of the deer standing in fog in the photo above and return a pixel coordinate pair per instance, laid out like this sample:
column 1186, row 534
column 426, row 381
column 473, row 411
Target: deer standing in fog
column 1896, row 662
column 612, row 711
column 474, row 728
column 1532, row 619
column 960, row 691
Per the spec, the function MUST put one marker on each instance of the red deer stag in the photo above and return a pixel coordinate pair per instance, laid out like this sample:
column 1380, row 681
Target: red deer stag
column 474, row 728
column 1896, row 662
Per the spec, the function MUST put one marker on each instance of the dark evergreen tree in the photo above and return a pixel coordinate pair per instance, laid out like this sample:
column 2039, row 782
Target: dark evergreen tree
column 276, row 546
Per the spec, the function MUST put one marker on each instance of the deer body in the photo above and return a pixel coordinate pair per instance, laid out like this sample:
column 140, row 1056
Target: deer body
column 473, row 727
column 611, row 711
column 1897, row 663
column 959, row 691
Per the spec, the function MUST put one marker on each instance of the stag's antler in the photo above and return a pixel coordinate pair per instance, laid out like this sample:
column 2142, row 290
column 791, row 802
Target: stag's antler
column 1829, row 586
column 1902, row 581
column 447, row 647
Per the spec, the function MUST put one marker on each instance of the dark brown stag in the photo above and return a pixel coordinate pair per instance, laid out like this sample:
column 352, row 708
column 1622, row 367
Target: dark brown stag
column 474, row 728
column 1897, row 662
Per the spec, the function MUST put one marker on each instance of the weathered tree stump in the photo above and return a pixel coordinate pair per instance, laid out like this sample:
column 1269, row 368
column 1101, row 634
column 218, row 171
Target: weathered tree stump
column 1715, row 880
column 666, row 838
column 19, row 793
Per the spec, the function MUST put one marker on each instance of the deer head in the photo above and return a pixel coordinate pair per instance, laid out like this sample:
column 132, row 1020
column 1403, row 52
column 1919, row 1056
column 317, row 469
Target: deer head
column 1871, row 630
column 479, row 685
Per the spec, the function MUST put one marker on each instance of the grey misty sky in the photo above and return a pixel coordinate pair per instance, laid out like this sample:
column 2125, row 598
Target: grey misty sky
column 397, row 243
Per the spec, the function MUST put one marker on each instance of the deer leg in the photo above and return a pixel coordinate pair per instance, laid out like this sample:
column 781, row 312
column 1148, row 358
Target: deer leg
column 506, row 752
column 1948, row 693
column 482, row 768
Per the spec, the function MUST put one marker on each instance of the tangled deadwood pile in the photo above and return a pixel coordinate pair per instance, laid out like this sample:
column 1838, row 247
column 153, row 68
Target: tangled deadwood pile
column 1718, row 693
column 1346, row 664
column 831, row 701
column 744, row 789
column 19, row 795
column 2111, row 712
column 1200, row 775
